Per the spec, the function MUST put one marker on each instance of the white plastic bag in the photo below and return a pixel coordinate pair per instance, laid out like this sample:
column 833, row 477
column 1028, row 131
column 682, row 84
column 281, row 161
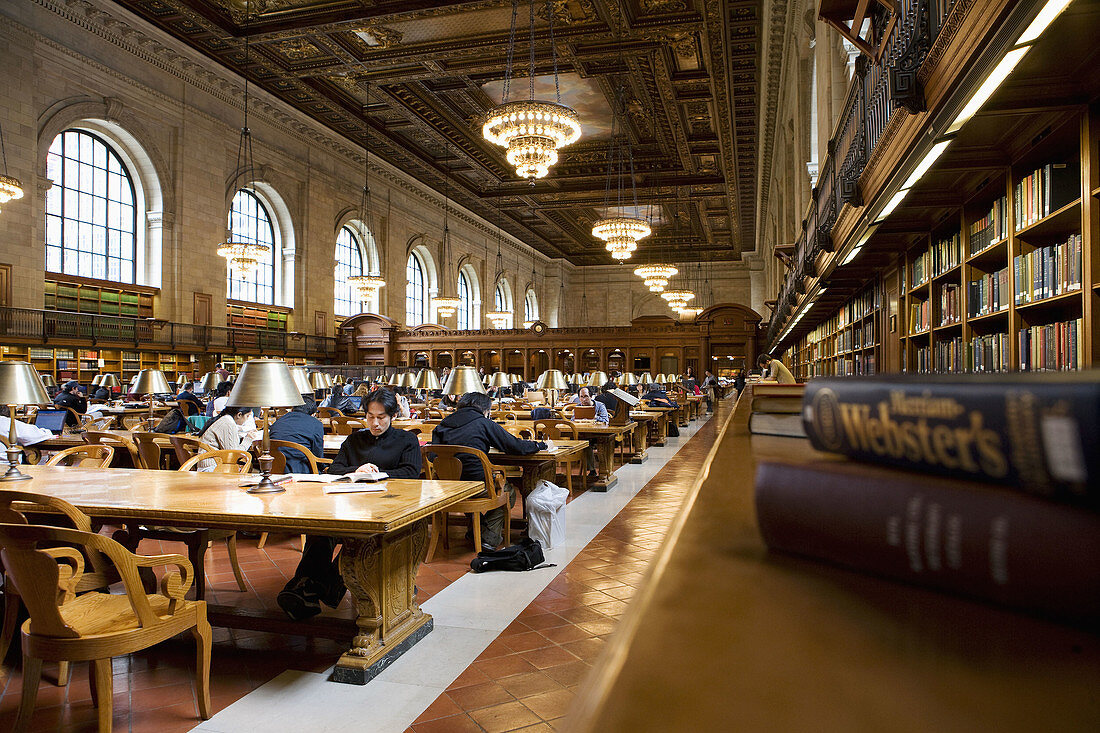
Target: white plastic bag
column 546, row 514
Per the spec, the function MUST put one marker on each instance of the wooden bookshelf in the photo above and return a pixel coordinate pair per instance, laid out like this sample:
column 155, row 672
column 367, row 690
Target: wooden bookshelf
column 83, row 364
column 845, row 344
column 249, row 315
column 80, row 295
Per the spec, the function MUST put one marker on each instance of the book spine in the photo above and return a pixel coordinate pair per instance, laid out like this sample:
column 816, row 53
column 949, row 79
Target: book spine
column 1036, row 436
column 967, row 539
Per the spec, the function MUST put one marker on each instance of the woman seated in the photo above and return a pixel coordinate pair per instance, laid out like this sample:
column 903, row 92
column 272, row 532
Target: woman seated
column 226, row 432
column 380, row 447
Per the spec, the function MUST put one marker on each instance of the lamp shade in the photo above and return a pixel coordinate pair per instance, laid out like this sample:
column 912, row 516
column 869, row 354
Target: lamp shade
column 500, row 379
column 21, row 385
column 408, row 379
column 96, row 379
column 317, row 380
column 181, row 378
column 427, row 379
column 110, row 381
column 264, row 383
column 151, row 381
column 47, row 380
column 552, row 379
column 394, row 380
column 211, row 381
column 627, row 379
column 462, row 380
column 300, row 375
column 645, row 379
column 517, row 378
column 338, row 379
column 597, row 379
column 660, row 379
column 672, row 378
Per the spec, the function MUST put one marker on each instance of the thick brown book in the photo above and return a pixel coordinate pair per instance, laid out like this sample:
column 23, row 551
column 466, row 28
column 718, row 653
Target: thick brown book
column 788, row 426
column 775, row 389
column 963, row 537
column 784, row 405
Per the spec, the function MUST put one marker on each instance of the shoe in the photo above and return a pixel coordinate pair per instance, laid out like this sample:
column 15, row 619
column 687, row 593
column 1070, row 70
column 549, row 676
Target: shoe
column 296, row 601
column 593, row 474
column 334, row 593
column 486, row 547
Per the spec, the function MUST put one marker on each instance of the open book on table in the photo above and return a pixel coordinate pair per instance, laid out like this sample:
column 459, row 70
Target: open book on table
column 347, row 483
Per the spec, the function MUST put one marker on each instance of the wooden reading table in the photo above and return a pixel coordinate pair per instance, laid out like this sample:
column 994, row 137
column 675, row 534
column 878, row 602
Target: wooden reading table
column 385, row 538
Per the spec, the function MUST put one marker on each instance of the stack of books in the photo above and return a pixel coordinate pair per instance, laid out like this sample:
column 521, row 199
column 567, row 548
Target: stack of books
column 777, row 410
column 988, row 487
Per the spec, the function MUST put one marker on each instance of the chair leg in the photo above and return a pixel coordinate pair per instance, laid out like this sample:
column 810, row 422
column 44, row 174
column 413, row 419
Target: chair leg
column 507, row 524
column 11, row 616
column 202, row 635
column 445, row 533
column 64, row 670
column 104, row 692
column 475, row 519
column 303, row 543
column 569, row 477
column 32, row 673
column 231, row 543
column 262, row 542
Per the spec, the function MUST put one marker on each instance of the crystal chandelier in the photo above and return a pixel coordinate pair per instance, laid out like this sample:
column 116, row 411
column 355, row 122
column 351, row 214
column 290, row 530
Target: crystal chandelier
column 366, row 286
column 688, row 313
column 243, row 258
column 10, row 187
column 446, row 305
column 532, row 130
column 620, row 230
column 655, row 276
column 678, row 299
column 499, row 318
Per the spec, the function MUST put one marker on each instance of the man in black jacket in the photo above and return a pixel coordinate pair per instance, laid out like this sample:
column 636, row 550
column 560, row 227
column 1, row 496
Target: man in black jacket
column 470, row 426
column 186, row 395
column 70, row 397
column 301, row 427
column 380, row 447
column 610, row 401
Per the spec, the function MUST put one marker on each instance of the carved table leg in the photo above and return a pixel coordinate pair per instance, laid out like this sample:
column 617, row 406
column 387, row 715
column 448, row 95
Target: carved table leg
column 641, row 436
column 380, row 573
column 605, row 451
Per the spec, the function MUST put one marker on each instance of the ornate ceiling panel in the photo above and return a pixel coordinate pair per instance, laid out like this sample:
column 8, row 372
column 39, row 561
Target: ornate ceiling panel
column 690, row 70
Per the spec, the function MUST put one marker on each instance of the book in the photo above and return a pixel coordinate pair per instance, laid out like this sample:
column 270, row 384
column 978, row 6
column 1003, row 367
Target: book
column 775, row 389
column 789, row 426
column 784, row 405
column 963, row 537
column 330, row 478
column 1036, row 432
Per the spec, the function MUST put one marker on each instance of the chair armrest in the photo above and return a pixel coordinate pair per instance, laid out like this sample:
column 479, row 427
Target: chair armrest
column 175, row 583
column 324, row 460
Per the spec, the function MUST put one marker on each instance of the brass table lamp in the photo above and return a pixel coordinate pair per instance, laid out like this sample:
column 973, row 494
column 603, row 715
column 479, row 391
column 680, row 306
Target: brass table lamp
column 265, row 383
column 211, row 381
column 427, row 381
column 19, row 385
column 150, row 382
column 300, row 375
column 110, row 381
column 48, row 380
column 597, row 379
column 627, row 379
column 553, row 381
column 498, row 380
column 462, row 380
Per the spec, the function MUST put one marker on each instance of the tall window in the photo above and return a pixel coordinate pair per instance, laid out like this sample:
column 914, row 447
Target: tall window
column 91, row 212
column 466, row 317
column 349, row 262
column 500, row 302
column 250, row 222
column 416, row 292
column 530, row 307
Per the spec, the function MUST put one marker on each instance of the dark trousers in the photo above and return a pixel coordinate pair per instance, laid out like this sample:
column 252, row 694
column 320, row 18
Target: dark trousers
column 317, row 563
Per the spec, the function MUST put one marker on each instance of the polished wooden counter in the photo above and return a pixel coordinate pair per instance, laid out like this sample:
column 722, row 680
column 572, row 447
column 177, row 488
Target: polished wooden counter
column 725, row 636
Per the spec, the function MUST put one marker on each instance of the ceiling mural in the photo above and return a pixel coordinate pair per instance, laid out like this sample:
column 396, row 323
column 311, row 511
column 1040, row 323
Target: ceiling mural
column 689, row 71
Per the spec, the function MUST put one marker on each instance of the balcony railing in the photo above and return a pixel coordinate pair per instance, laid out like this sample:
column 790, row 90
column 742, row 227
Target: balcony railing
column 60, row 328
column 878, row 90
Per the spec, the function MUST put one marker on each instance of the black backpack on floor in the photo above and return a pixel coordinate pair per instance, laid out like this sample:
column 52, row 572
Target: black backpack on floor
column 527, row 555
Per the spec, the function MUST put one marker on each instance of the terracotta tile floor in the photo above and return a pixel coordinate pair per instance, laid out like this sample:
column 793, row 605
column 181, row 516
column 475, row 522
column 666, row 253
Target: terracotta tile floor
column 524, row 680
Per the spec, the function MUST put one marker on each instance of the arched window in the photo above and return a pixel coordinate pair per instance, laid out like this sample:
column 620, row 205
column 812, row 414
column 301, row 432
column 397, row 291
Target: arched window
column 531, row 307
column 501, row 302
column 250, row 222
column 466, row 317
column 416, row 292
column 91, row 210
column 349, row 262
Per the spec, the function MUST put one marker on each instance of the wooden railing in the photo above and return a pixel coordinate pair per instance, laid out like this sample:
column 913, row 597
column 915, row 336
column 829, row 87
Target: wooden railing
column 61, row 328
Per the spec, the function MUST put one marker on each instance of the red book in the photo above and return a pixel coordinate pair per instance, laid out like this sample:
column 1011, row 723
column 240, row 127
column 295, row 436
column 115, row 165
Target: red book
column 966, row 538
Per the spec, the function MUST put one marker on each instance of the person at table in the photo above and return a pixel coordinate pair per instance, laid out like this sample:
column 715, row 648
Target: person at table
column 336, row 399
column 381, row 447
column 738, row 381
column 187, row 395
column 584, row 398
column 221, row 395
column 608, row 400
column 689, row 380
column 470, row 426
column 101, row 393
column 774, row 369
column 710, row 384
column 70, row 397
column 301, row 427
column 226, row 432
column 25, row 433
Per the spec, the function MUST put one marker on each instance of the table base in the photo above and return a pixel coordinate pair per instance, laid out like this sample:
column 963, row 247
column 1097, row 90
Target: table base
column 639, row 458
column 355, row 670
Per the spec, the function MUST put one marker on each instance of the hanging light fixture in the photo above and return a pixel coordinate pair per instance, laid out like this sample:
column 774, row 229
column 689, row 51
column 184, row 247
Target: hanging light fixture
column 532, row 131
column 10, row 187
column 655, row 276
column 244, row 258
column 620, row 230
column 446, row 305
column 366, row 286
column 499, row 318
column 678, row 298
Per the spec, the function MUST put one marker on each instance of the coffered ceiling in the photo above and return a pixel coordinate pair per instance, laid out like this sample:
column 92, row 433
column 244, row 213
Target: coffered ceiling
column 690, row 70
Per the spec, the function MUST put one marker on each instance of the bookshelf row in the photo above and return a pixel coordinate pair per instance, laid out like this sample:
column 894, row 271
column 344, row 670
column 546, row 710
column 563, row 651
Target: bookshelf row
column 846, row 343
column 84, row 297
column 1008, row 280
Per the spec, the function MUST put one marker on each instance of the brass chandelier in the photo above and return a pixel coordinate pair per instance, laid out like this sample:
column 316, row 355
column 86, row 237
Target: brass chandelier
column 10, row 187
column 655, row 276
column 620, row 230
column 366, row 286
column 244, row 258
column 499, row 318
column 446, row 305
column 532, row 130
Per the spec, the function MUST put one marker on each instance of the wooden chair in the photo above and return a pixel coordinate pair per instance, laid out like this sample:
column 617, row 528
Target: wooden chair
column 446, row 466
column 188, row 408
column 31, row 455
column 564, row 430
column 94, row 626
column 134, row 422
column 14, row 509
column 95, row 437
column 279, row 466
column 330, row 412
column 225, row 461
column 98, row 423
column 83, row 456
column 188, row 446
column 342, row 425
column 151, row 449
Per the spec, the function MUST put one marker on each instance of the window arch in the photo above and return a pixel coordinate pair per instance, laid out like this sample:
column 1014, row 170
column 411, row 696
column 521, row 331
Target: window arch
column 349, row 262
column 466, row 303
column 91, row 210
column 531, row 306
column 250, row 222
column 502, row 301
column 416, row 291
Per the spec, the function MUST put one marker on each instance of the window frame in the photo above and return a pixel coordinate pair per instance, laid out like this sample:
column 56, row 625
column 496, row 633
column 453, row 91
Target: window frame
column 417, row 298
column 340, row 279
column 233, row 284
